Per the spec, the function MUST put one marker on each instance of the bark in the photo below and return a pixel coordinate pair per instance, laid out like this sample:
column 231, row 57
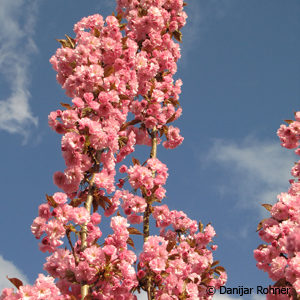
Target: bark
column 147, row 212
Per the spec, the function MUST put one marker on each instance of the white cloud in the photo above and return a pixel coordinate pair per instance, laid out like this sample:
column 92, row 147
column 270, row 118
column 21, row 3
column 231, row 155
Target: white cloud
column 256, row 171
column 142, row 295
column 17, row 20
column 223, row 297
column 259, row 297
column 226, row 297
column 8, row 269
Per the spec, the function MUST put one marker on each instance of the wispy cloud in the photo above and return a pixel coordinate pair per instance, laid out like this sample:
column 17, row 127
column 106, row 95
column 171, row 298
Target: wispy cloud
column 259, row 297
column 17, row 21
column 142, row 295
column 256, row 171
column 8, row 269
column 201, row 14
column 223, row 297
column 226, row 297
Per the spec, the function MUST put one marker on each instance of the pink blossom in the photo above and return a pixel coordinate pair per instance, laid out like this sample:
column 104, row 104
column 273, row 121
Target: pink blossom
column 110, row 250
column 140, row 176
column 160, row 193
column 80, row 215
column 123, row 169
column 78, row 102
column 44, row 211
column 174, row 139
column 278, row 265
column 60, row 198
column 95, row 218
column 122, row 87
column 38, row 227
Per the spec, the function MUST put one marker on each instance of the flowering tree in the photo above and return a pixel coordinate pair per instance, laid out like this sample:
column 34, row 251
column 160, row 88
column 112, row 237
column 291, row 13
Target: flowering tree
column 281, row 256
column 120, row 78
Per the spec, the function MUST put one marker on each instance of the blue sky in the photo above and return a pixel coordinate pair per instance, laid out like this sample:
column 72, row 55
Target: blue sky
column 240, row 68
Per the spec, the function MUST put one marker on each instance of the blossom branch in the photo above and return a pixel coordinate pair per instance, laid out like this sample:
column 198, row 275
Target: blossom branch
column 154, row 143
column 110, row 74
column 68, row 231
column 147, row 212
column 83, row 233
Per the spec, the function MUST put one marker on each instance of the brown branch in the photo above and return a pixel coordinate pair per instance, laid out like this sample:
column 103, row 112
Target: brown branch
column 154, row 143
column 149, row 294
column 68, row 231
column 83, row 232
column 147, row 213
column 87, row 205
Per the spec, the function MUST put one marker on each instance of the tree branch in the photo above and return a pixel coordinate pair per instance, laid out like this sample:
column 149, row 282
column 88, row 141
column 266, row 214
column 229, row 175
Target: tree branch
column 147, row 212
column 83, row 232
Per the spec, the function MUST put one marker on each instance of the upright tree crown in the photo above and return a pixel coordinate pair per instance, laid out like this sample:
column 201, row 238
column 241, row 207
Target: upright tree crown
column 280, row 257
column 120, row 78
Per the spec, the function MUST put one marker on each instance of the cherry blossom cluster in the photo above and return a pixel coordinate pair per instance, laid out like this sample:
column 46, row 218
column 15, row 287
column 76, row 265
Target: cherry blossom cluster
column 106, row 74
column 94, row 264
column 54, row 223
column 290, row 135
column 178, row 259
column 281, row 256
column 108, row 269
column 44, row 288
column 153, row 24
column 120, row 78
